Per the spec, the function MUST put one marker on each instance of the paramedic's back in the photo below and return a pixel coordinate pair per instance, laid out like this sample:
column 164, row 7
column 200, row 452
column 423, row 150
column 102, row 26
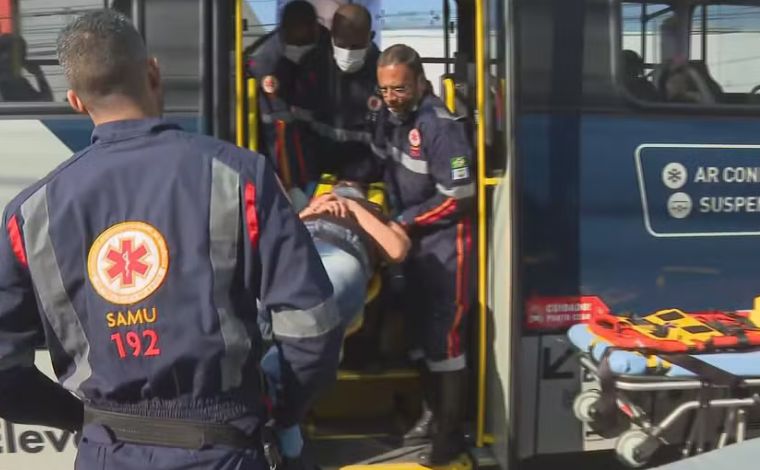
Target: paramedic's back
column 140, row 259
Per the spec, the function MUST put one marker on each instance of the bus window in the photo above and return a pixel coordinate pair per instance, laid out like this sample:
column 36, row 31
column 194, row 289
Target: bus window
column 689, row 53
column 28, row 67
column 722, row 40
column 420, row 25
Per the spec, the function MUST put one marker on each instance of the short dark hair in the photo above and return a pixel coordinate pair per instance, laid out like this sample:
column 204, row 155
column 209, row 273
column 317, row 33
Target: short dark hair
column 298, row 13
column 102, row 54
column 352, row 16
column 401, row 54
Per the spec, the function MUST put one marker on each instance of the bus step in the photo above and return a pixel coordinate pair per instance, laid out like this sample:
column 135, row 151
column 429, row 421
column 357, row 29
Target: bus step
column 404, row 458
column 388, row 428
column 391, row 374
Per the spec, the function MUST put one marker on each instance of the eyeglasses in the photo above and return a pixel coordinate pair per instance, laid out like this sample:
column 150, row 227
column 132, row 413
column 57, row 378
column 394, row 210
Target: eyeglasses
column 395, row 90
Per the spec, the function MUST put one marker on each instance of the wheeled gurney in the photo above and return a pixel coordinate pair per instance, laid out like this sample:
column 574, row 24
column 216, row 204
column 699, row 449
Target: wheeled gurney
column 725, row 385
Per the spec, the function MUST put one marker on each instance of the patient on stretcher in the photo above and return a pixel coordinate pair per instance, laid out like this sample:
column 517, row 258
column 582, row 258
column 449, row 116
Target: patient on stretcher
column 352, row 237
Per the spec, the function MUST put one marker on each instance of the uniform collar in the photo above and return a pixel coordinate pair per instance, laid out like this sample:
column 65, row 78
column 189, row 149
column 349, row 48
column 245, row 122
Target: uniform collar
column 409, row 117
column 128, row 129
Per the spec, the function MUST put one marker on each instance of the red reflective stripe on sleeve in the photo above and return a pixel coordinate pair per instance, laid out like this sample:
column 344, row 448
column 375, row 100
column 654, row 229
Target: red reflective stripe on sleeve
column 281, row 149
column 446, row 208
column 251, row 218
column 299, row 156
column 17, row 241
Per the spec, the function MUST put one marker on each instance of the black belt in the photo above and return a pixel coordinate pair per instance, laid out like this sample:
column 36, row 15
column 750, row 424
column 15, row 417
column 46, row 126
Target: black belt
column 180, row 433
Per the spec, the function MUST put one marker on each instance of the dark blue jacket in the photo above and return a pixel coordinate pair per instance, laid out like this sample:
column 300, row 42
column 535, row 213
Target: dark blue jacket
column 347, row 113
column 141, row 260
column 429, row 172
column 286, row 90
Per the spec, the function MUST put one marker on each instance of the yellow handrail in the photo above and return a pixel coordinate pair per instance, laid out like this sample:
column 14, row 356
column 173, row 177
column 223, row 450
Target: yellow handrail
column 480, row 95
column 239, row 98
column 450, row 94
column 253, row 115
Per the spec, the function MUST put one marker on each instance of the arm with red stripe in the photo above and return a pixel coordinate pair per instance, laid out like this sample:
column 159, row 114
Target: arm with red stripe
column 448, row 154
column 26, row 395
column 293, row 286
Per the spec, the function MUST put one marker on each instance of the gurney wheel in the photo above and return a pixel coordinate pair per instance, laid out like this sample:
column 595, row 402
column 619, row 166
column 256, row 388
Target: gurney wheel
column 583, row 405
column 631, row 448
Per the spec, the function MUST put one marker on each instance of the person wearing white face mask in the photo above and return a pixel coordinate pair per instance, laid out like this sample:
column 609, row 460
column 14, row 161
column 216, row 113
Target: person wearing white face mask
column 287, row 64
column 349, row 101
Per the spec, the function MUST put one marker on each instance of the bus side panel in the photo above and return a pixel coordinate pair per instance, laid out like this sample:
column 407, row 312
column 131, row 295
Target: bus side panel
column 584, row 233
column 639, row 269
column 33, row 147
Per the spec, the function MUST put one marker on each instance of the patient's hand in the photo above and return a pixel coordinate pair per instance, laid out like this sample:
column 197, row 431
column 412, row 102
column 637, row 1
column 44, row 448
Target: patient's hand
column 327, row 204
column 337, row 208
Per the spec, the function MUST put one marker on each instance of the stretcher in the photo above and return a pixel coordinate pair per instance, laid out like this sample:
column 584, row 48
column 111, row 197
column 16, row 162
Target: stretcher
column 702, row 370
column 375, row 195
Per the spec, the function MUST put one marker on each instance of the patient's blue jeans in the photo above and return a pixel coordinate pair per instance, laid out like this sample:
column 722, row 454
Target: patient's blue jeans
column 349, row 280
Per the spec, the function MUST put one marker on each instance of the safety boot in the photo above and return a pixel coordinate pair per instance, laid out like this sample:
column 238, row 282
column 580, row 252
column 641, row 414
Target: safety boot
column 448, row 436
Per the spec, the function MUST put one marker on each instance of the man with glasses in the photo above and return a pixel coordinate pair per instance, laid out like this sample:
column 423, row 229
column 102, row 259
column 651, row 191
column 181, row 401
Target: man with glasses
column 430, row 181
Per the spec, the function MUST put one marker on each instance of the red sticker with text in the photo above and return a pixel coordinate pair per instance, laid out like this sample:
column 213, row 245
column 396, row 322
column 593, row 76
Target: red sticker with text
column 548, row 313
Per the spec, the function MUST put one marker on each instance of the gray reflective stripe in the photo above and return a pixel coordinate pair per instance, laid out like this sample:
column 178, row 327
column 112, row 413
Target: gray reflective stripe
column 341, row 135
column 447, row 365
column 48, row 282
column 416, row 354
column 269, row 118
column 325, row 130
column 306, row 323
column 224, row 229
column 444, row 113
column 457, row 192
column 302, row 114
column 18, row 359
column 411, row 164
column 379, row 152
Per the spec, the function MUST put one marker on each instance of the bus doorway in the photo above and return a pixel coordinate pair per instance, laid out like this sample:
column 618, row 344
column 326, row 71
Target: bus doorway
column 361, row 419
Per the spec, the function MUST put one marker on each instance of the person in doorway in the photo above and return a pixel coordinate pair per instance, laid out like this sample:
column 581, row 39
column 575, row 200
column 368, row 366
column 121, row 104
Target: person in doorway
column 429, row 175
column 287, row 64
column 352, row 237
column 350, row 103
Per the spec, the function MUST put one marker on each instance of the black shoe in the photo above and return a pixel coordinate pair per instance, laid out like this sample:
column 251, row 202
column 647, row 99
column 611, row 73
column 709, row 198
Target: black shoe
column 422, row 430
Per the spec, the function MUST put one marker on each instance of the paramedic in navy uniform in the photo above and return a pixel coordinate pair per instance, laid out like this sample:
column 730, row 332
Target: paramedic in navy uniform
column 429, row 178
column 140, row 261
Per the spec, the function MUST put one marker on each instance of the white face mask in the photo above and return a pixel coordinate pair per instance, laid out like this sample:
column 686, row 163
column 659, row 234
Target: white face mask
column 296, row 53
column 349, row 60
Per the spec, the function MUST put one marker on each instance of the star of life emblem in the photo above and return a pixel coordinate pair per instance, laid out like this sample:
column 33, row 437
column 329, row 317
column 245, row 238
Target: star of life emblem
column 415, row 139
column 128, row 262
column 374, row 103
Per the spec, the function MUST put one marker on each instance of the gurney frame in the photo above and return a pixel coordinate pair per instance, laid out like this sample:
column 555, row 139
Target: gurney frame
column 635, row 446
